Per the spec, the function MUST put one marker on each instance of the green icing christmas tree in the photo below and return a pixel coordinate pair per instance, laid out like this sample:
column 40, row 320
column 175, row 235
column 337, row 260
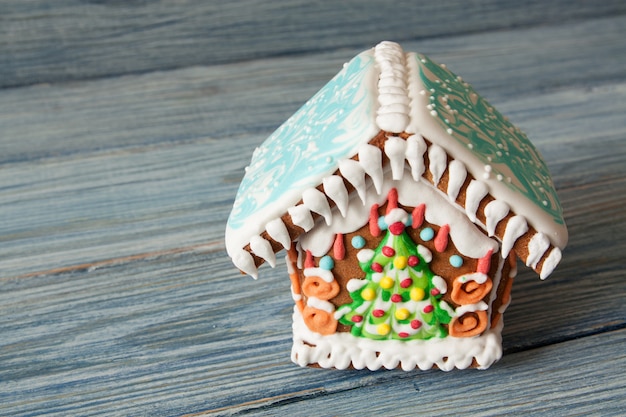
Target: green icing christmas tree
column 400, row 297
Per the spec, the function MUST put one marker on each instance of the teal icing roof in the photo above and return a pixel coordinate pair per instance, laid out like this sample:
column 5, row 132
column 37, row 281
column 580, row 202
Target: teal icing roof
column 328, row 127
column 495, row 141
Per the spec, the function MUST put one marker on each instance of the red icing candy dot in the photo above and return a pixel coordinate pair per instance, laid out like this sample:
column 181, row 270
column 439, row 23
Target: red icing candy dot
column 376, row 267
column 413, row 260
column 428, row 309
column 416, row 324
column 396, row 228
column 406, row 283
column 396, row 298
column 388, row 251
column 403, row 334
column 378, row 313
column 357, row 319
column 434, row 291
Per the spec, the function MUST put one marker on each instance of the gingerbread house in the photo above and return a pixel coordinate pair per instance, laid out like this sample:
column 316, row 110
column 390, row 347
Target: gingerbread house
column 403, row 200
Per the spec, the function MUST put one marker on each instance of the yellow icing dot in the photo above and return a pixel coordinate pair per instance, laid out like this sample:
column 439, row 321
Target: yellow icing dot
column 402, row 314
column 383, row 329
column 368, row 294
column 400, row 262
column 386, row 282
column 417, row 294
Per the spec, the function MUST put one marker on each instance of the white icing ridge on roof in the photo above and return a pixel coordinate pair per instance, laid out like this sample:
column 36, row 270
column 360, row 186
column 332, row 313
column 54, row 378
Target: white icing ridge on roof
column 393, row 113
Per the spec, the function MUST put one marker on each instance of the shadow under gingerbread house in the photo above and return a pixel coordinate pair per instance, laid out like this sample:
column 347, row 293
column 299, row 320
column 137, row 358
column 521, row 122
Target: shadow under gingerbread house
column 403, row 200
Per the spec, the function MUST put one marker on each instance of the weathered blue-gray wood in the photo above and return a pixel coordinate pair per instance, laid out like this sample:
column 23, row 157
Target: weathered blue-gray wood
column 564, row 379
column 227, row 101
column 181, row 334
column 116, row 295
column 75, row 39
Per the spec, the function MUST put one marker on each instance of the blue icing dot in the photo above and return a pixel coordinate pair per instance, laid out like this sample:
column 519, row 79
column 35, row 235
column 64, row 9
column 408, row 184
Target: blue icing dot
column 358, row 242
column 456, row 261
column 327, row 263
column 381, row 223
column 427, row 233
column 409, row 221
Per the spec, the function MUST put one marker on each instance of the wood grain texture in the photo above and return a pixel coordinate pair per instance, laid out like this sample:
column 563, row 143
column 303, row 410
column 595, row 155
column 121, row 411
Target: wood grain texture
column 116, row 295
column 227, row 101
column 180, row 334
column 577, row 382
column 78, row 39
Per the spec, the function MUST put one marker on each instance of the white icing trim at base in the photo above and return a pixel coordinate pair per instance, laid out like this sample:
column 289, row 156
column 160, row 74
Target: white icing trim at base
column 340, row 350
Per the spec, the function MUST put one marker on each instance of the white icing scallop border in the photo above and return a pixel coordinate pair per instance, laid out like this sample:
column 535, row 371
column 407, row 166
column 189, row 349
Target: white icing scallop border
column 340, row 350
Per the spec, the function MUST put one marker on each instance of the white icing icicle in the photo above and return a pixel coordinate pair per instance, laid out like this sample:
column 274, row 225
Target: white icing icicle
column 301, row 216
column 335, row 189
column 355, row 174
column 415, row 148
column 244, row 261
column 476, row 191
column 278, row 231
column 370, row 159
column 316, row 202
column 550, row 263
column 263, row 249
column 395, row 149
column 516, row 227
column 495, row 211
column 438, row 161
column 393, row 113
column 537, row 246
column 456, row 177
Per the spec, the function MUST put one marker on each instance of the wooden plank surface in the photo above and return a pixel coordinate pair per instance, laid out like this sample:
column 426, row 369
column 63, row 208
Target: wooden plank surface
column 579, row 382
column 116, row 295
column 180, row 334
column 227, row 101
column 78, row 39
